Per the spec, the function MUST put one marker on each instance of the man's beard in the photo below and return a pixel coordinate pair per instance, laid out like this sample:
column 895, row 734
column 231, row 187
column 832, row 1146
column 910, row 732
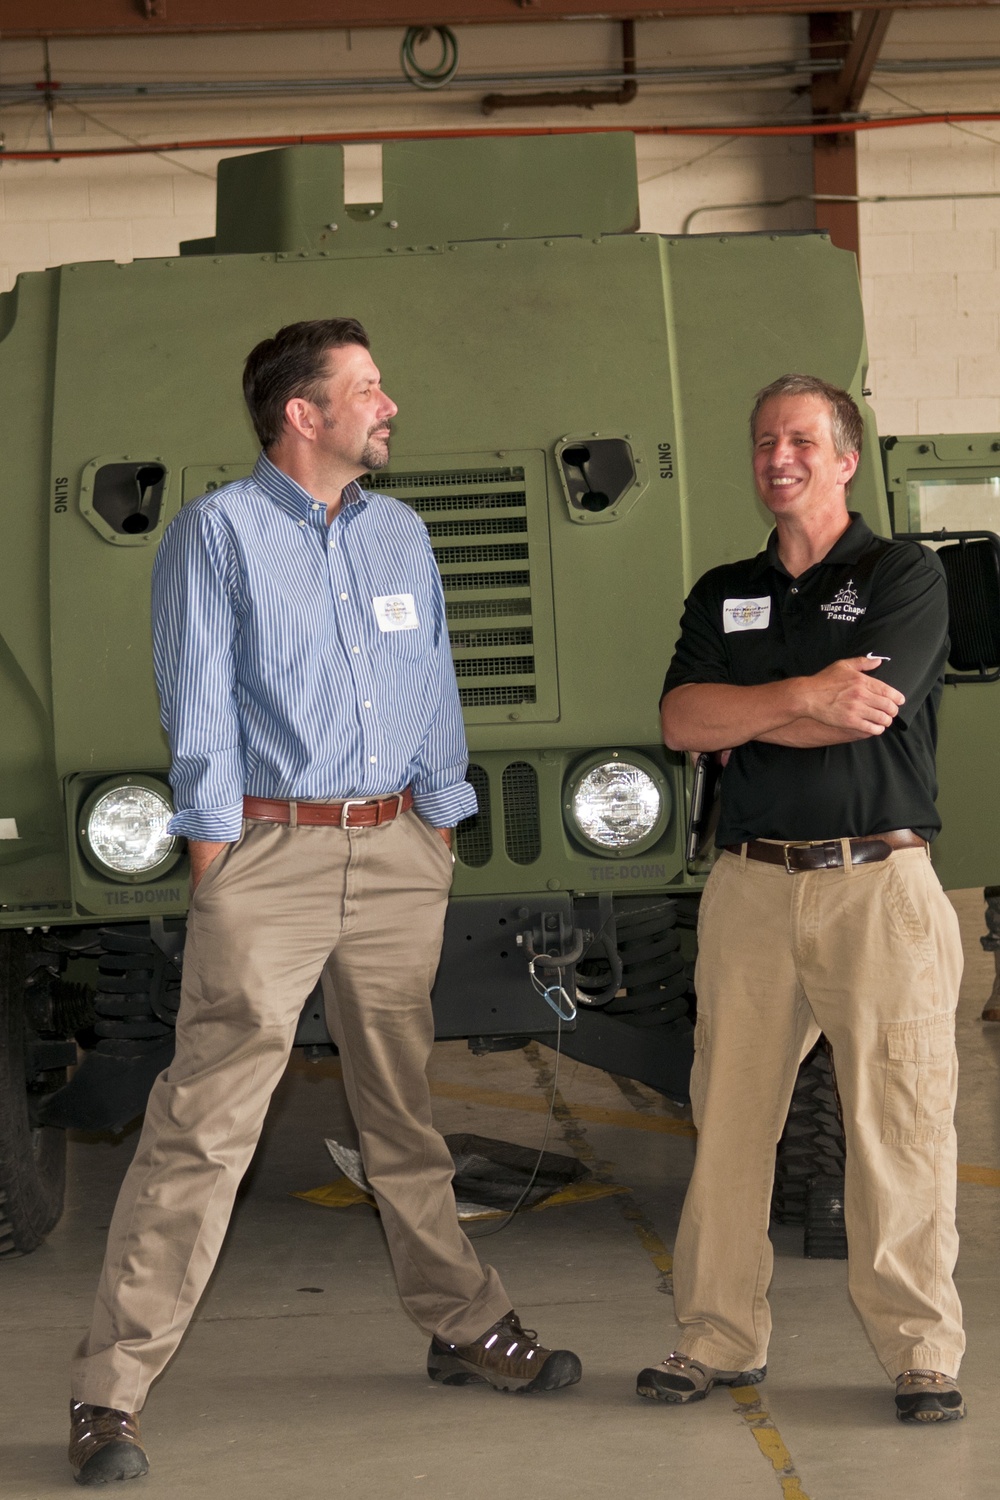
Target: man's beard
column 375, row 453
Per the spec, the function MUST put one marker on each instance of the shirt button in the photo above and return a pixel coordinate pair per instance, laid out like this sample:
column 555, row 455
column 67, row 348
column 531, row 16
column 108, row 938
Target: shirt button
column 302, row 523
column 356, row 649
column 373, row 758
column 315, row 507
column 332, row 542
column 343, row 596
column 791, row 591
column 367, row 703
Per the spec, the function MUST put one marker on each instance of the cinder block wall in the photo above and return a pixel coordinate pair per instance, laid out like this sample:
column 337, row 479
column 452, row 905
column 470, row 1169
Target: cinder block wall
column 931, row 281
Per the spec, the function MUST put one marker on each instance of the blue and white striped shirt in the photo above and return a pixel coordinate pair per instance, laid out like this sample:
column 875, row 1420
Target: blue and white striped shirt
column 290, row 661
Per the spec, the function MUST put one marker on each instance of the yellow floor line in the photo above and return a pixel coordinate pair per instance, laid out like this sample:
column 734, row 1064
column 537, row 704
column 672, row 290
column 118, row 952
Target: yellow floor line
column 985, row 1176
column 748, row 1399
column 570, row 1121
column 536, row 1105
column 769, row 1440
column 624, row 1119
column 749, row 1404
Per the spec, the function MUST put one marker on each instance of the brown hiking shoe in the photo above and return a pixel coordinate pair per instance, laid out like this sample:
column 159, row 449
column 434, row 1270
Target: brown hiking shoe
column 679, row 1379
column 928, row 1396
column 507, row 1357
column 104, row 1444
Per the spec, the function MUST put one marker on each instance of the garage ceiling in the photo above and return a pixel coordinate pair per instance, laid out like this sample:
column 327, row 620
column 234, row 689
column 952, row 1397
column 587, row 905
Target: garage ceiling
column 22, row 19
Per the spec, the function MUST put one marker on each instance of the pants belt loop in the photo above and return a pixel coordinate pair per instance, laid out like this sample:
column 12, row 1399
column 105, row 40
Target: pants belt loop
column 293, row 815
column 845, row 850
column 743, row 858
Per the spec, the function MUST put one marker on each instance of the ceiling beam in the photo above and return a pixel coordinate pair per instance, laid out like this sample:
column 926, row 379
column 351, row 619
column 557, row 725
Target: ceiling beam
column 25, row 19
column 835, row 157
column 841, row 93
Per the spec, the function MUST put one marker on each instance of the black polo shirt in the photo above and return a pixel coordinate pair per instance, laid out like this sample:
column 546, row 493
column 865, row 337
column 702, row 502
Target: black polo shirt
column 750, row 622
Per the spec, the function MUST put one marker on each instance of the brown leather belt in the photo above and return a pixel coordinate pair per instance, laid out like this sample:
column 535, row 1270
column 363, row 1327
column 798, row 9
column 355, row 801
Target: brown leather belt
column 356, row 812
column 796, row 857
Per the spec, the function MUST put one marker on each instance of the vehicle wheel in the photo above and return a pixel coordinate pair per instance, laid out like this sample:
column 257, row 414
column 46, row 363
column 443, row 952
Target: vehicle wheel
column 812, row 1148
column 32, row 1157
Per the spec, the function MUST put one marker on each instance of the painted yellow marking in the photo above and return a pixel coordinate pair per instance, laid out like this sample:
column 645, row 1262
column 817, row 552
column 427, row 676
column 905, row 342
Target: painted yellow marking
column 624, row 1119
column 985, row 1176
column 537, row 1105
column 603, row 1171
column 757, row 1418
column 769, row 1440
column 344, row 1194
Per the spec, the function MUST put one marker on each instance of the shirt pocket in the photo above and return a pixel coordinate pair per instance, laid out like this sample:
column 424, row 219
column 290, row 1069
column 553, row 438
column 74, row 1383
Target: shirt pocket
column 921, row 1078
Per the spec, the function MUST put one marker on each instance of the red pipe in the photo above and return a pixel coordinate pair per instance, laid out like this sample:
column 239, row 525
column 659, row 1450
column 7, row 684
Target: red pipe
column 345, row 137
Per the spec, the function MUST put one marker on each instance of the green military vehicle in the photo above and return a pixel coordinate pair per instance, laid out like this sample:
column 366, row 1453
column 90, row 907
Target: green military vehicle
column 573, row 398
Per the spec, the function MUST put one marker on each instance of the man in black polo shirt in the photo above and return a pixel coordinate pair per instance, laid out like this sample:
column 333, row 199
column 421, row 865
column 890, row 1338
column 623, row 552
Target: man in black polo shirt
column 818, row 665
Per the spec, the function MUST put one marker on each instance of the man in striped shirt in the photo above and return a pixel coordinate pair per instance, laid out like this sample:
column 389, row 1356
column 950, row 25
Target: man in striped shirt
column 318, row 764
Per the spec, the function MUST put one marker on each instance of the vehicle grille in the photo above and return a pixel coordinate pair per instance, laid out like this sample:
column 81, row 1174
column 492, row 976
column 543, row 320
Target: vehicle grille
column 522, row 834
column 474, row 836
column 475, row 552
column 517, row 789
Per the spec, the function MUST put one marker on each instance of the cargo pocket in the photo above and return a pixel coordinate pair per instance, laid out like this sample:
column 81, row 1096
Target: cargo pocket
column 921, row 1075
column 699, row 1070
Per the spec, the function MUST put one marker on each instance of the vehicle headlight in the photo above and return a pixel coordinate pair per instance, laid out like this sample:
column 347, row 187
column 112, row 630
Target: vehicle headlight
column 125, row 829
column 616, row 805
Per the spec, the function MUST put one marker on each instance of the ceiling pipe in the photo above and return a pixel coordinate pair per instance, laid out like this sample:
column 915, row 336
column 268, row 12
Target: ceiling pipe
column 347, row 137
column 577, row 98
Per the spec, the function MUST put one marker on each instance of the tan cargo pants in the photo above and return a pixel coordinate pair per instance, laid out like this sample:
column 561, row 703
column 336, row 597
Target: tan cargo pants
column 871, row 956
column 362, row 909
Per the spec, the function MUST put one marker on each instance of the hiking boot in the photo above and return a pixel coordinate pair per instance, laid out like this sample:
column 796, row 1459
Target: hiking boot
column 680, row 1379
column 928, row 1396
column 507, row 1357
column 104, row 1444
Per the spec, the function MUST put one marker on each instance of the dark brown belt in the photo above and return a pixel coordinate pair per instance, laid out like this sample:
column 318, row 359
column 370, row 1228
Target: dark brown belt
column 356, row 812
column 795, row 857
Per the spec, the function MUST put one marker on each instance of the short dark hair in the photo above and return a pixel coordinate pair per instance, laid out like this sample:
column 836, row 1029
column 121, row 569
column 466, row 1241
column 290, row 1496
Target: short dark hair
column 292, row 363
column 846, row 421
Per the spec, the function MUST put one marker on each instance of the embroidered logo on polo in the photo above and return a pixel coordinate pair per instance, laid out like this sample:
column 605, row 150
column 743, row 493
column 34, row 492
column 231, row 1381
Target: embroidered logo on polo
column 844, row 606
column 395, row 612
column 746, row 614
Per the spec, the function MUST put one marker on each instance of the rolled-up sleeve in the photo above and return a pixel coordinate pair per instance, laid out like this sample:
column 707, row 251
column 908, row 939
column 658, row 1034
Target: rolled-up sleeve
column 194, row 629
column 441, row 794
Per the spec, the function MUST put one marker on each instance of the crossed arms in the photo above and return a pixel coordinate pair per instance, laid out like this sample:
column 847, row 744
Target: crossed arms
column 840, row 704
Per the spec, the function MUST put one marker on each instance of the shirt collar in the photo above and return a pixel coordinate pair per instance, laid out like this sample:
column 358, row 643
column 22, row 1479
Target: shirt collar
column 290, row 497
column 847, row 548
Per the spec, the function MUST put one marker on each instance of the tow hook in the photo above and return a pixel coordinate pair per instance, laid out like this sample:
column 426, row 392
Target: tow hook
column 552, row 944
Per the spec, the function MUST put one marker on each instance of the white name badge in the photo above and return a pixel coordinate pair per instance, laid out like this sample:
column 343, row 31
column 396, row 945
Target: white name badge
column 395, row 612
column 746, row 614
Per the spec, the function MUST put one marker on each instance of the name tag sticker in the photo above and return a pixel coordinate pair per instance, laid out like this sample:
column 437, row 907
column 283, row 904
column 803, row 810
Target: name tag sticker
column 746, row 614
column 395, row 612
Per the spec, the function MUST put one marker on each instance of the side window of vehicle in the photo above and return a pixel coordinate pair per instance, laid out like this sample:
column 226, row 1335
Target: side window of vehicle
column 954, row 503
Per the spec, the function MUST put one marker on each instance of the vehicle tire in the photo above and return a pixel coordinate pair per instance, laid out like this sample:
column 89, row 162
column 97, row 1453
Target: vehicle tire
column 32, row 1158
column 812, row 1147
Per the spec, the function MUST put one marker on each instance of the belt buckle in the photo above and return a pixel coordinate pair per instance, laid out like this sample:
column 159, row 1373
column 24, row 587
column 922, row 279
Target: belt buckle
column 345, row 808
column 784, row 849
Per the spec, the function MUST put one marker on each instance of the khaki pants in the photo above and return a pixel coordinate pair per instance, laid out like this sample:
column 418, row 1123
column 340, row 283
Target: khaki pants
column 871, row 956
column 362, row 909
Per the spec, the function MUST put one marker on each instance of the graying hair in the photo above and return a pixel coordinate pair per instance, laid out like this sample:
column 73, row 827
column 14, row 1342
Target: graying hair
column 846, row 421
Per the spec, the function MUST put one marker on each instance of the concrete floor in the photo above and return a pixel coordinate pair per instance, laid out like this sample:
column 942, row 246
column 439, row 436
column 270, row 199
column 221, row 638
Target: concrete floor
column 303, row 1378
